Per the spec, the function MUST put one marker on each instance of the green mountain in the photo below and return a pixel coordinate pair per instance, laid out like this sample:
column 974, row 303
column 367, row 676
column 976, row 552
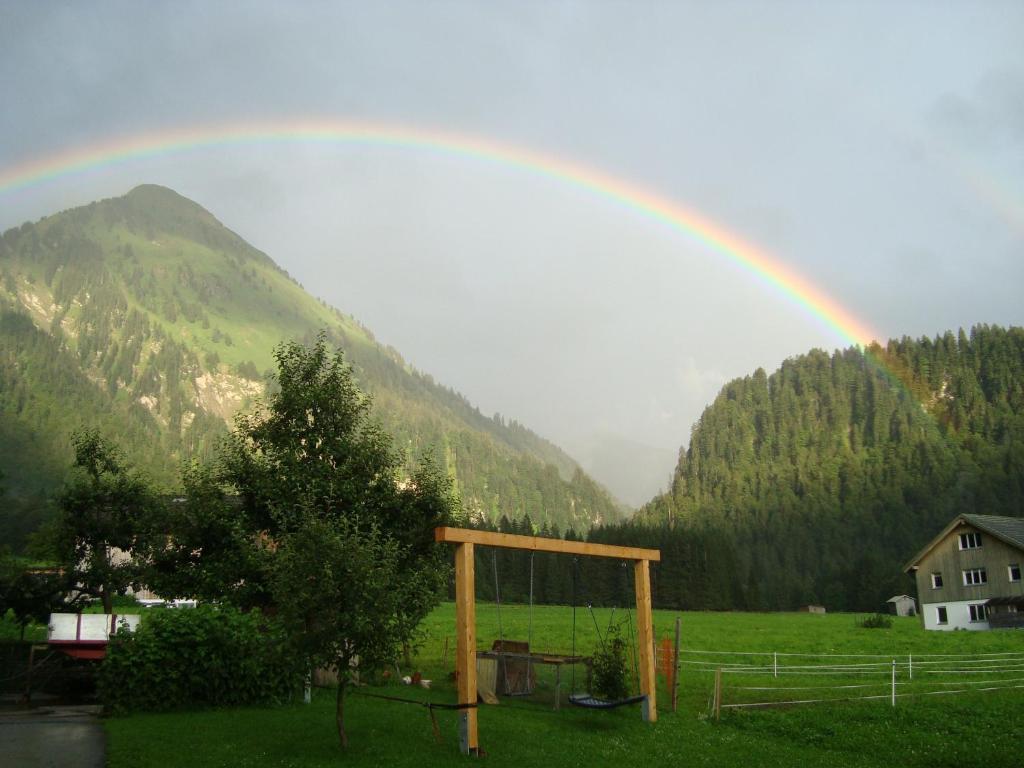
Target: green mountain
column 147, row 318
column 816, row 483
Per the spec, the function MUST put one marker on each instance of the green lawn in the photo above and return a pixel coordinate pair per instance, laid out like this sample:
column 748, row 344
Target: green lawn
column 973, row 729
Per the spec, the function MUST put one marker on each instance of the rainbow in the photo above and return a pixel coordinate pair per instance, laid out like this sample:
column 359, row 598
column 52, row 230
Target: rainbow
column 769, row 270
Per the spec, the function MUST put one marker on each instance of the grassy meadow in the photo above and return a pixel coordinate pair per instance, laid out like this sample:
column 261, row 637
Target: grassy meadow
column 978, row 728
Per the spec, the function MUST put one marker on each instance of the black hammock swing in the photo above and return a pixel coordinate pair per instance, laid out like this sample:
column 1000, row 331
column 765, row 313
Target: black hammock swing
column 593, row 702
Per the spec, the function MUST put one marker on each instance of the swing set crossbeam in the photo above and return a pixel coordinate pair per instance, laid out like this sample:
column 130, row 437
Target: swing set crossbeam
column 537, row 544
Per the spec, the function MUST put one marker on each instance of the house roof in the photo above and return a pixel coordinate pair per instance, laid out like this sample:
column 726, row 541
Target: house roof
column 1007, row 529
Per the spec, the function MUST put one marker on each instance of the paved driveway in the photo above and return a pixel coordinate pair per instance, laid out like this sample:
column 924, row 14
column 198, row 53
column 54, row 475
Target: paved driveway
column 53, row 737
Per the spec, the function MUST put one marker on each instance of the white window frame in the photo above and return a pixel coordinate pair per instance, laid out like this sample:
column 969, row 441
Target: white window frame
column 941, row 615
column 1009, row 571
column 975, row 577
column 970, row 540
column 977, row 612
column 937, row 576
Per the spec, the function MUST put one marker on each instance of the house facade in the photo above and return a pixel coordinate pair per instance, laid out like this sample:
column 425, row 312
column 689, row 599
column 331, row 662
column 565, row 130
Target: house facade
column 969, row 576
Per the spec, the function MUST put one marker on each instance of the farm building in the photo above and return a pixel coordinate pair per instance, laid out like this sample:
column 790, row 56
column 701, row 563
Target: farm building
column 811, row 609
column 969, row 575
column 902, row 605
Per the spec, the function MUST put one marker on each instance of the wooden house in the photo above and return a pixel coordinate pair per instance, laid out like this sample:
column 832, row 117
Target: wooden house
column 969, row 576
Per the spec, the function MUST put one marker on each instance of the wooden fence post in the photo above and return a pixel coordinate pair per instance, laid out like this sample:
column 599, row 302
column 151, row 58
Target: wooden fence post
column 718, row 692
column 675, row 668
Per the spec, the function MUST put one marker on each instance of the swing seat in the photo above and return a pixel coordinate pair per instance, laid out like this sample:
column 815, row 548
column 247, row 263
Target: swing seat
column 589, row 701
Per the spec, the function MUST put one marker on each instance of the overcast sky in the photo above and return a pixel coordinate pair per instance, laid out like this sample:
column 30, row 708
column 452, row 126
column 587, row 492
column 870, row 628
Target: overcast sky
column 877, row 149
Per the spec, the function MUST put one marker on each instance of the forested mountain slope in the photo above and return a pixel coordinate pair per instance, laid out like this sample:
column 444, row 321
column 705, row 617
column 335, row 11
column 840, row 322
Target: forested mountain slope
column 146, row 317
column 816, row 483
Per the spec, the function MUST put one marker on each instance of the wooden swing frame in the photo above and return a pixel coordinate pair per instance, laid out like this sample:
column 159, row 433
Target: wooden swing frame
column 465, row 612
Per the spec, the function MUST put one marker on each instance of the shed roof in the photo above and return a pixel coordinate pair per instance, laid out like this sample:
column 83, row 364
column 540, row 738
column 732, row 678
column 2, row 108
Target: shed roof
column 1017, row 600
column 897, row 598
column 1007, row 529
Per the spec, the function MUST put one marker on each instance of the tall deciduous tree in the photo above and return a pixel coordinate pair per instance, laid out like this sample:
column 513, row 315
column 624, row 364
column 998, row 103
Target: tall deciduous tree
column 326, row 526
column 339, row 591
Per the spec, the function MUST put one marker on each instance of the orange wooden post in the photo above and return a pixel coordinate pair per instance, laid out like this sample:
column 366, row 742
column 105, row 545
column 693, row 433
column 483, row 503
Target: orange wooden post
column 665, row 660
column 645, row 638
column 465, row 647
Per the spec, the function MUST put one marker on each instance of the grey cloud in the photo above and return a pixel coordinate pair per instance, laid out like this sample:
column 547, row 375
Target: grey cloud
column 821, row 132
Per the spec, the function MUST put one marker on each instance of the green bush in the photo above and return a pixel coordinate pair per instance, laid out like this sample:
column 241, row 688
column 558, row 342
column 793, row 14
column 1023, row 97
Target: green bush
column 611, row 677
column 196, row 658
column 878, row 621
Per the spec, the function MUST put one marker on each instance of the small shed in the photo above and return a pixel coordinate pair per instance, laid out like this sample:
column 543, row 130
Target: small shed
column 902, row 605
column 812, row 609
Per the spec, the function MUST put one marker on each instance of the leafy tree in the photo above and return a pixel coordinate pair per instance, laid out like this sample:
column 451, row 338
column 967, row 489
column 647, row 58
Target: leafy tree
column 102, row 509
column 315, row 447
column 211, row 553
column 324, row 526
column 339, row 589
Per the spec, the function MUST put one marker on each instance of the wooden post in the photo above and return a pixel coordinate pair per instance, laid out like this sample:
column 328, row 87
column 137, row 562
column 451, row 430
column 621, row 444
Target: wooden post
column 675, row 667
column 645, row 638
column 718, row 693
column 465, row 647
column 894, row 682
column 27, row 698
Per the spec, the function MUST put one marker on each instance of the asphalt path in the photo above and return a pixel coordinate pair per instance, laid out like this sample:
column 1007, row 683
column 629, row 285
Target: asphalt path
column 52, row 737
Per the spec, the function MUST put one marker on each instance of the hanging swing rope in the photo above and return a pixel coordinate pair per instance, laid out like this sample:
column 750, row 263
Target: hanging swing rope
column 523, row 658
column 502, row 663
column 529, row 632
column 632, row 635
column 575, row 564
column 429, row 705
column 497, row 592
